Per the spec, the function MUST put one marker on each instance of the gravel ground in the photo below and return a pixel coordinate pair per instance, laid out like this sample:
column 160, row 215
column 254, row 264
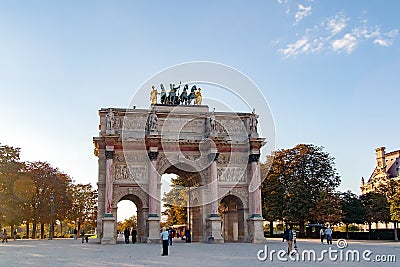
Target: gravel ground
column 69, row 252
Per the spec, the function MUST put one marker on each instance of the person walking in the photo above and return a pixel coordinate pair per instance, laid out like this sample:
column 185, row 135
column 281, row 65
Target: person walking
column 328, row 233
column 322, row 235
column 5, row 238
column 127, row 233
column 15, row 234
column 83, row 235
column 170, row 237
column 288, row 236
column 75, row 234
column 164, row 238
column 187, row 235
column 134, row 234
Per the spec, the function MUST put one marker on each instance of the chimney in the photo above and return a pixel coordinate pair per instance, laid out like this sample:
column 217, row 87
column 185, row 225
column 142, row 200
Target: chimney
column 380, row 158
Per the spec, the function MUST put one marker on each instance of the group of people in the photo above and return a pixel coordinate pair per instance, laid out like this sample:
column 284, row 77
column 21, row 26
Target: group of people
column 290, row 236
column 128, row 232
column 4, row 235
column 174, row 98
column 326, row 232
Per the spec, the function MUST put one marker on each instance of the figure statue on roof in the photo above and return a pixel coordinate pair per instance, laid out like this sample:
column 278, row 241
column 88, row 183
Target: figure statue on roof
column 253, row 121
column 163, row 94
column 153, row 95
column 152, row 122
column 199, row 98
column 183, row 98
column 110, row 119
column 192, row 94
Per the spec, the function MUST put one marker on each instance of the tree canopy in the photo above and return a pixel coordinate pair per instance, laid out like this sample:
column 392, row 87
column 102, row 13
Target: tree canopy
column 28, row 190
column 175, row 202
column 299, row 181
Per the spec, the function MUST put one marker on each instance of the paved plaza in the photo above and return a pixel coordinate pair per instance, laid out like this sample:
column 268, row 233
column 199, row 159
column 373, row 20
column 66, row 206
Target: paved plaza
column 69, row 252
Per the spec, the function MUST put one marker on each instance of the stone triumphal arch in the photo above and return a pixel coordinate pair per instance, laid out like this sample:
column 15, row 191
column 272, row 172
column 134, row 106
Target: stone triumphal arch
column 217, row 153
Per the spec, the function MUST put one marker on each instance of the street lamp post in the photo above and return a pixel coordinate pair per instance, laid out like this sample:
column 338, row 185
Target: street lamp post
column 51, row 216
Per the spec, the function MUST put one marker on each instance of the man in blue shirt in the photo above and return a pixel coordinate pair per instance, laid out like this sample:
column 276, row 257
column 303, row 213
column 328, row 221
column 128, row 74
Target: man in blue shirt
column 164, row 238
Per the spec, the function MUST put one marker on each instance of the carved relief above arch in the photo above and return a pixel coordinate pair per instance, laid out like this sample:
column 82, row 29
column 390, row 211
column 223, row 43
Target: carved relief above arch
column 120, row 192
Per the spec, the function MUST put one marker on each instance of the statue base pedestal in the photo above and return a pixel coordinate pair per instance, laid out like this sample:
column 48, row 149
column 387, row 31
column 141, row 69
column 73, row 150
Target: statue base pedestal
column 154, row 230
column 108, row 231
column 214, row 226
column 256, row 230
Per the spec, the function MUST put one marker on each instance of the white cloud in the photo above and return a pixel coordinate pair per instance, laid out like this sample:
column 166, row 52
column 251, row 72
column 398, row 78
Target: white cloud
column 392, row 33
column 302, row 12
column 297, row 48
column 383, row 42
column 373, row 34
column 387, row 38
column 338, row 33
column 337, row 23
column 347, row 43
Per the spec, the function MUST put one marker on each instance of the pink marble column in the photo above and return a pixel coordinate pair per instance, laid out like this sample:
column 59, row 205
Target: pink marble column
column 255, row 185
column 214, row 185
column 109, row 179
column 153, row 154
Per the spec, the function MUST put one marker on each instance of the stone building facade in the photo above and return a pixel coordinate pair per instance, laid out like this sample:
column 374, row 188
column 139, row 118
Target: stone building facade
column 387, row 167
column 217, row 153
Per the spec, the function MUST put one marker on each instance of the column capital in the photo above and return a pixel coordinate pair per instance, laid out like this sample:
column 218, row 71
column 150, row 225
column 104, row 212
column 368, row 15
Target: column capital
column 254, row 157
column 109, row 154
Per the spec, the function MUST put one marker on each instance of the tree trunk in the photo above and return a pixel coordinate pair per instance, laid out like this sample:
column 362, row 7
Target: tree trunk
column 34, row 230
column 52, row 227
column 41, row 230
column 79, row 226
column 12, row 231
column 271, row 228
column 347, row 230
column 396, row 238
column 27, row 230
column 369, row 230
column 302, row 228
column 61, row 230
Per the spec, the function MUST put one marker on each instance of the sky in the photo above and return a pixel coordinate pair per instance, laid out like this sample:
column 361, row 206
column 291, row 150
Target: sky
column 328, row 70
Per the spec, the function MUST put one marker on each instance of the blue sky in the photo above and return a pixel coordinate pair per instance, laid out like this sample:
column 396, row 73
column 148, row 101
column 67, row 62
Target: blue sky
column 328, row 69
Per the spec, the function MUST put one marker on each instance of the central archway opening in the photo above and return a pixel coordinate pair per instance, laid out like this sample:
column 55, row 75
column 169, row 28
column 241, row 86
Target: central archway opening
column 181, row 203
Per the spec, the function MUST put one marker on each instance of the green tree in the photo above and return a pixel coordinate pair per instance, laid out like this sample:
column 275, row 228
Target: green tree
column 47, row 182
column 376, row 208
column 353, row 210
column 304, row 172
column 391, row 189
column 131, row 223
column 327, row 208
column 395, row 212
column 10, row 171
column 83, row 207
column 175, row 202
column 272, row 194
